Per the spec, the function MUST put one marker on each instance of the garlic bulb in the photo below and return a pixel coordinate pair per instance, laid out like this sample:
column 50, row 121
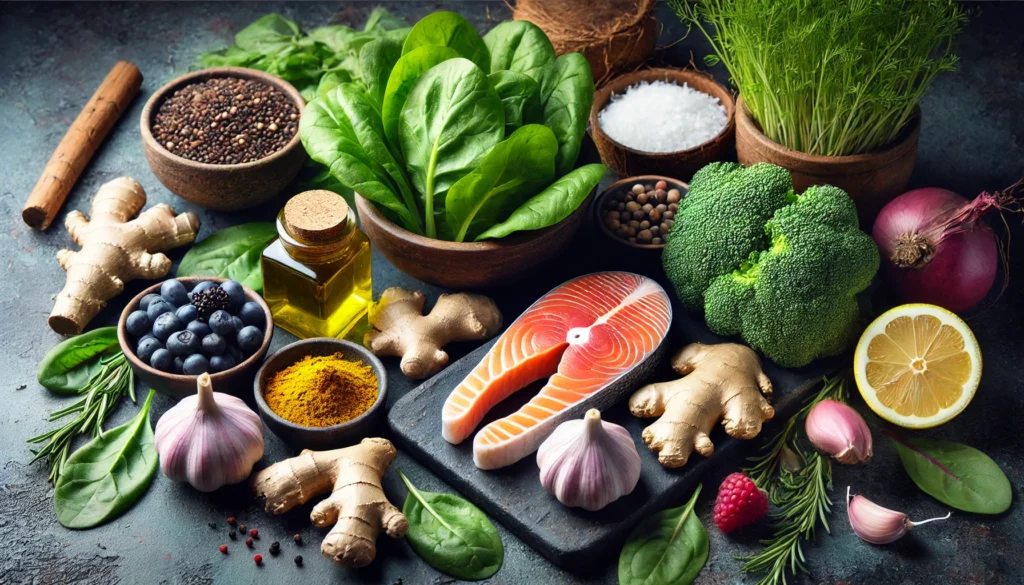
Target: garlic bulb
column 209, row 440
column 878, row 525
column 589, row 463
column 840, row 431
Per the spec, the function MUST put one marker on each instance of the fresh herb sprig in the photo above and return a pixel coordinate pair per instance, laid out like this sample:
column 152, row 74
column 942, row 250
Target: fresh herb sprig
column 100, row 396
column 798, row 481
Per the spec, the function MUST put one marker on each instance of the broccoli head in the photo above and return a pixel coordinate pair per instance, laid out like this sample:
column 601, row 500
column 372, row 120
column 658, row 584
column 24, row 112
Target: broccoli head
column 794, row 299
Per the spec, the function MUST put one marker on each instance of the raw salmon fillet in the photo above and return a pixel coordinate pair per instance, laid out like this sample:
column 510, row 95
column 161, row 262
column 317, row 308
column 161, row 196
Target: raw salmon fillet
column 585, row 336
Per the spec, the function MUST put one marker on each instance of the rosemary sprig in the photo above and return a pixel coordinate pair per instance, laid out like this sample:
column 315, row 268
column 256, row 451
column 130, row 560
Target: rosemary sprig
column 100, row 396
column 798, row 483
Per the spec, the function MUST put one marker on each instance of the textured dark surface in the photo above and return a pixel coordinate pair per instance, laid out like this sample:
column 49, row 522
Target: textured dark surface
column 52, row 57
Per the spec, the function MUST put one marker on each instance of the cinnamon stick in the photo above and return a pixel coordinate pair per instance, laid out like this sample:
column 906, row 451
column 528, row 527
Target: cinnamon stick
column 80, row 142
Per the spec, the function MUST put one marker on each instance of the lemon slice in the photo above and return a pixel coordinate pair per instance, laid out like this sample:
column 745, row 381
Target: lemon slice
column 917, row 366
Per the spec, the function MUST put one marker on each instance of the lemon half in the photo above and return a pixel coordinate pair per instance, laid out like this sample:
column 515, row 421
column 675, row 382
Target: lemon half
column 917, row 366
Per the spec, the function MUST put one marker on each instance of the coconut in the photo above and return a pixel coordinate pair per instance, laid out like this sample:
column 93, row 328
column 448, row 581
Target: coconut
column 614, row 35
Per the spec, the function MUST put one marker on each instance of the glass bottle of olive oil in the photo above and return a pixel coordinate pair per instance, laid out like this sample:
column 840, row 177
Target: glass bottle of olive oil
column 316, row 274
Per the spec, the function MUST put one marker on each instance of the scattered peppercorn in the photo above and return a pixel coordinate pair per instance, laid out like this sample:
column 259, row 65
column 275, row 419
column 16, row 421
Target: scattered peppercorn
column 212, row 525
column 642, row 215
column 224, row 548
column 275, row 547
column 241, row 528
column 226, row 120
column 232, row 535
column 258, row 559
column 231, row 521
column 298, row 560
column 254, row 533
column 297, row 538
column 248, row 542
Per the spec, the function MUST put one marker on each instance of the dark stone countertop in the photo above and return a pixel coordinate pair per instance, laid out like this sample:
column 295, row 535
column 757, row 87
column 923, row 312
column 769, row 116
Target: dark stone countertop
column 53, row 57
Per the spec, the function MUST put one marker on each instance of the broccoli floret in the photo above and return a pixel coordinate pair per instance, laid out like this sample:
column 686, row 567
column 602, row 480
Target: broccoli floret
column 720, row 222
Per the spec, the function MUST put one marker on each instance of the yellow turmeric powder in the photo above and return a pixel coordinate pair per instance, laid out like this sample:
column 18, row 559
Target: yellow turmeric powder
column 322, row 391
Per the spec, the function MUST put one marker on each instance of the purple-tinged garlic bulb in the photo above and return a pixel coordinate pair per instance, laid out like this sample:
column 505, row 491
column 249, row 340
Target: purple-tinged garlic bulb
column 838, row 430
column 878, row 525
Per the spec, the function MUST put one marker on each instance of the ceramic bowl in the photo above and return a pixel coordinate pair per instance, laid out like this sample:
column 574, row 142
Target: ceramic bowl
column 683, row 164
column 222, row 187
column 319, row 438
column 181, row 385
column 621, row 187
column 468, row 265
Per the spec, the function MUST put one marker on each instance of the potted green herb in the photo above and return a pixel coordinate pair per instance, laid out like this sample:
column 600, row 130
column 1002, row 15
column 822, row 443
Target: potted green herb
column 830, row 89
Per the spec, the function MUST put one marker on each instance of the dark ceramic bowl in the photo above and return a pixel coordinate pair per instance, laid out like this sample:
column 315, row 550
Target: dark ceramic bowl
column 320, row 438
column 222, row 187
column 181, row 385
column 621, row 187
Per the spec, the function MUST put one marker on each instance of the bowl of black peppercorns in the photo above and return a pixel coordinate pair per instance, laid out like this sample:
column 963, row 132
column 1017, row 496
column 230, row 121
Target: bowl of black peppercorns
column 182, row 327
column 225, row 138
column 637, row 212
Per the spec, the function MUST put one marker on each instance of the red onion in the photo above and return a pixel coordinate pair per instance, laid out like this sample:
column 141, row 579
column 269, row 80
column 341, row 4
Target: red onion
column 936, row 248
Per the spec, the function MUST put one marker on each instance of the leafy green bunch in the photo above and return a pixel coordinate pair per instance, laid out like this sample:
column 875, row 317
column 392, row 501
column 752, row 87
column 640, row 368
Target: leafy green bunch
column 829, row 77
column 457, row 136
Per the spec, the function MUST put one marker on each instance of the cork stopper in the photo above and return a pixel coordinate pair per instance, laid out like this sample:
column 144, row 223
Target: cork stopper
column 316, row 217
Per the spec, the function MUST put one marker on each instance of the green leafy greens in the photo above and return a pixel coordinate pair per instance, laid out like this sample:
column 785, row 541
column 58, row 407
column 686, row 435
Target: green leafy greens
column 231, row 253
column 459, row 137
column 669, row 548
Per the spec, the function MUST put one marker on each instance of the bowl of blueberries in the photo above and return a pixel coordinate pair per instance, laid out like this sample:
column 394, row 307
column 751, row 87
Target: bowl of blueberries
column 180, row 328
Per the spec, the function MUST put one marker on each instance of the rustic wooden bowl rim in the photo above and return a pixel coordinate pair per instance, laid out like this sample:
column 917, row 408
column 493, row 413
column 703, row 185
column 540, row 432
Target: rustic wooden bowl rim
column 751, row 125
column 619, row 84
column 154, row 101
column 365, row 354
column 622, row 183
column 129, row 351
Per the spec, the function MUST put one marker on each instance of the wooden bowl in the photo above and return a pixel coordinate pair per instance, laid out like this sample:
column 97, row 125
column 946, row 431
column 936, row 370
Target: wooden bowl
column 627, row 161
column 181, row 385
column 468, row 265
column 625, row 185
column 319, row 438
column 222, row 187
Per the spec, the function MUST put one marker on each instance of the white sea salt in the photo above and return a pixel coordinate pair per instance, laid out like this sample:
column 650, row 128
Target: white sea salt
column 662, row 117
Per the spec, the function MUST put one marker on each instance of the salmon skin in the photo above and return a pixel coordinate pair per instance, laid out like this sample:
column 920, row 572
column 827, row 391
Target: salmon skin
column 595, row 338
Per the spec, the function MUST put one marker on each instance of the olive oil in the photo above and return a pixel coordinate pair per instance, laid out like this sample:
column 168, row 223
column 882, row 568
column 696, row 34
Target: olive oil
column 316, row 274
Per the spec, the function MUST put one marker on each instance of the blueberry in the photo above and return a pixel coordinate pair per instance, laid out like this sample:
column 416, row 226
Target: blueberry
column 162, row 360
column 250, row 339
column 166, row 325
column 213, row 344
column 236, row 295
column 174, row 292
column 138, row 323
column 157, row 308
column 187, row 313
column 196, row 364
column 199, row 328
column 147, row 336
column 238, row 324
column 183, row 343
column 235, row 353
column 200, row 287
column 179, row 365
column 252, row 314
column 219, row 363
column 146, row 300
column 222, row 323
column 146, row 347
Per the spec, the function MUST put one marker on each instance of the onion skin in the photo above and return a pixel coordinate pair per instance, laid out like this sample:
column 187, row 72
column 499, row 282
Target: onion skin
column 964, row 256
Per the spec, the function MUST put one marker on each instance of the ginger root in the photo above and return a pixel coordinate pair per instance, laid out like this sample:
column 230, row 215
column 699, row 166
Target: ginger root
column 115, row 249
column 403, row 330
column 721, row 381
column 356, row 506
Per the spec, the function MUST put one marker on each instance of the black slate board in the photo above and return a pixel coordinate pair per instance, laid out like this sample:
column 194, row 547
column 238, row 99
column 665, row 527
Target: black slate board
column 570, row 537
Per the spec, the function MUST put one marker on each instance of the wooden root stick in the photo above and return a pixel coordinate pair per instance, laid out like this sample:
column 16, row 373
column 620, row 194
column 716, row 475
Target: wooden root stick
column 115, row 249
column 403, row 330
column 356, row 507
column 722, row 381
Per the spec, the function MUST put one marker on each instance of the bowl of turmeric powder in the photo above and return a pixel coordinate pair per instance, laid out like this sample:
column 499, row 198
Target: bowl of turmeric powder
column 321, row 393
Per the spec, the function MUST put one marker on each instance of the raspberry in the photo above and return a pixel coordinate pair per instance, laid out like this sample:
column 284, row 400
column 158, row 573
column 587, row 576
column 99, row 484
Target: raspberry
column 740, row 502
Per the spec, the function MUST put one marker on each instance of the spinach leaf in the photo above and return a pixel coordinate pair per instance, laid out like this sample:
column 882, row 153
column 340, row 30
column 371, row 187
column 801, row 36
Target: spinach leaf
column 404, row 75
column 329, row 82
column 520, row 46
column 567, row 93
column 520, row 97
column 108, row 474
column 71, row 363
column 380, row 20
column 551, row 205
column 669, row 548
column 451, row 119
column 376, row 60
column 231, row 253
column 447, row 29
column 955, row 474
column 451, row 534
column 516, row 168
column 272, row 32
column 342, row 131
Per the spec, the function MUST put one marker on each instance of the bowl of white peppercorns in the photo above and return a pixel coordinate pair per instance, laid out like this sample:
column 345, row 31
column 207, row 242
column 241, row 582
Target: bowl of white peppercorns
column 637, row 212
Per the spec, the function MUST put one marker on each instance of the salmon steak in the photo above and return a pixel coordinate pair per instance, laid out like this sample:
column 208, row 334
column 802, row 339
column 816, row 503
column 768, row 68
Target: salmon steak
column 594, row 338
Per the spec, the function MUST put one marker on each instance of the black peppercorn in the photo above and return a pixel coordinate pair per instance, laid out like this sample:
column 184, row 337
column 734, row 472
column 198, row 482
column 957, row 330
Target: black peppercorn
column 275, row 547
column 298, row 560
column 232, row 535
column 297, row 538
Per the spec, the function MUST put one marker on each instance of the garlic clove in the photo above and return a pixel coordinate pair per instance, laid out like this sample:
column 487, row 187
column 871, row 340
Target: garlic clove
column 589, row 463
column 877, row 524
column 840, row 431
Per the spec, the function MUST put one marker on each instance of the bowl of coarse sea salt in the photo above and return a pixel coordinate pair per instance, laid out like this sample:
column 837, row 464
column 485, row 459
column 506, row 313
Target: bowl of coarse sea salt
column 663, row 121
